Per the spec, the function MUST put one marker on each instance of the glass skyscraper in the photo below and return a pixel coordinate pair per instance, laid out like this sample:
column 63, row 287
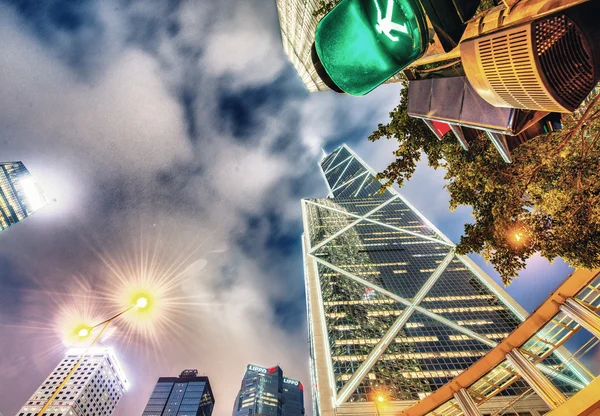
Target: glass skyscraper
column 186, row 395
column 265, row 391
column 93, row 389
column 393, row 311
column 20, row 196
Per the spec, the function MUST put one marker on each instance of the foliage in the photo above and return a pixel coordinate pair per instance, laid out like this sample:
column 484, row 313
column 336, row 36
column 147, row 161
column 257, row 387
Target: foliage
column 324, row 7
column 544, row 202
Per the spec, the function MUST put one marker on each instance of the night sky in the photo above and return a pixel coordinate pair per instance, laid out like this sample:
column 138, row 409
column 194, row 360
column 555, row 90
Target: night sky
column 175, row 128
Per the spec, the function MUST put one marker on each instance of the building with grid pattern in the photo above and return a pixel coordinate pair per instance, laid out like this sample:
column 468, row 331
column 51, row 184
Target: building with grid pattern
column 95, row 387
column 393, row 311
column 186, row 395
column 20, row 196
column 298, row 23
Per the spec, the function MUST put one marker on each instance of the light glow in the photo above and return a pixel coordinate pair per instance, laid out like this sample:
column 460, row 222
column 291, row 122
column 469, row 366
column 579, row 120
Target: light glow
column 141, row 303
column 32, row 194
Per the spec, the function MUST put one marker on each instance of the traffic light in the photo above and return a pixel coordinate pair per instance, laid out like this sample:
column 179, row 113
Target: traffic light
column 362, row 43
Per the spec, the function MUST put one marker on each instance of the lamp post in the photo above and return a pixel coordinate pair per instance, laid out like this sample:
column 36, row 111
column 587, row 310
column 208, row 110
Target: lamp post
column 84, row 332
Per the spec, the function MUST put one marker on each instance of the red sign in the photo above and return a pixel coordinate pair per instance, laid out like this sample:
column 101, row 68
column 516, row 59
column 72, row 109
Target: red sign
column 440, row 128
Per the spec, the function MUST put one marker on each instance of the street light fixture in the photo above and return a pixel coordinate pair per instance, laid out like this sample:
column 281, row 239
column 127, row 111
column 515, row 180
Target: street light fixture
column 83, row 332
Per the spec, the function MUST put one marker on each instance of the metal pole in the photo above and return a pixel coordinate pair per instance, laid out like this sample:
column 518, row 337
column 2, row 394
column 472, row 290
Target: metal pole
column 583, row 315
column 538, row 382
column 466, row 403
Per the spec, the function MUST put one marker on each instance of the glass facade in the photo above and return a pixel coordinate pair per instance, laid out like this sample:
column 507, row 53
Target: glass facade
column 403, row 314
column 20, row 196
column 264, row 391
column 186, row 395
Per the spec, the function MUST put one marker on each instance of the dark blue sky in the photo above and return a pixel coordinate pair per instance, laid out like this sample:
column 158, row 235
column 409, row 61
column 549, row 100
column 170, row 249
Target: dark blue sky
column 178, row 124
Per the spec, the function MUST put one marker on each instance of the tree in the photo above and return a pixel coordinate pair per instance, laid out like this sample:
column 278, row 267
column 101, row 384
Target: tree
column 545, row 202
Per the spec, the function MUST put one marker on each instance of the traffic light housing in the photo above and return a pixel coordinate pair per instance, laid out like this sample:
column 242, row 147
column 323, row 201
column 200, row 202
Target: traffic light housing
column 362, row 43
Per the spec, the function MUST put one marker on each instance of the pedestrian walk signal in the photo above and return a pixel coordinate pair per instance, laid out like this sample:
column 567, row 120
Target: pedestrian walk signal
column 362, row 43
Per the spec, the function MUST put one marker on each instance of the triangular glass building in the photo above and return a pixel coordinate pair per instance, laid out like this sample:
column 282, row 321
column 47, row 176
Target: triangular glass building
column 393, row 311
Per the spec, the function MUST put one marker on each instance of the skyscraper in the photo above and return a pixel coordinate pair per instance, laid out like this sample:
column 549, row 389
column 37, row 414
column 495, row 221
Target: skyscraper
column 392, row 310
column 93, row 389
column 265, row 391
column 298, row 24
column 20, row 196
column 293, row 397
column 186, row 395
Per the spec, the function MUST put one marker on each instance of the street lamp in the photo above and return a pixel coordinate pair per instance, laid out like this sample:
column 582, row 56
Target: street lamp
column 85, row 331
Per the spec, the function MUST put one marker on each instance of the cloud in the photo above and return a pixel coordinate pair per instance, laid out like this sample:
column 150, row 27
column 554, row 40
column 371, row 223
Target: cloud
column 181, row 126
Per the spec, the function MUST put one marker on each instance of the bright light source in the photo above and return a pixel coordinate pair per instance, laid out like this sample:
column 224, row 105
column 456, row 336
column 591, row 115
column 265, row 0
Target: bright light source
column 83, row 332
column 33, row 198
column 141, row 302
column 380, row 398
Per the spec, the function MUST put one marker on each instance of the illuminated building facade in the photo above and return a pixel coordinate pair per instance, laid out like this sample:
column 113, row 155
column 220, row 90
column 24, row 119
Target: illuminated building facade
column 393, row 311
column 298, row 24
column 186, row 395
column 20, row 196
column 95, row 387
column 265, row 391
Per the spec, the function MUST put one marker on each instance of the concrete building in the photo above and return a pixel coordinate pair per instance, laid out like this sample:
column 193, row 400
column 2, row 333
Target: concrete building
column 94, row 388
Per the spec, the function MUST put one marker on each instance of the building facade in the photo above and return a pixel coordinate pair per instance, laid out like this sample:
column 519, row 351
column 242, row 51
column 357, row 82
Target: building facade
column 94, row 388
column 298, row 24
column 20, row 196
column 265, row 391
column 394, row 313
column 293, row 397
column 186, row 395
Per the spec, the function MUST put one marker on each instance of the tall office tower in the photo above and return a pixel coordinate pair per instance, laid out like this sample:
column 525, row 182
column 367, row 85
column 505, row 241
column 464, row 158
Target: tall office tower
column 93, row 389
column 186, row 395
column 293, row 397
column 20, row 196
column 392, row 310
column 265, row 391
column 298, row 24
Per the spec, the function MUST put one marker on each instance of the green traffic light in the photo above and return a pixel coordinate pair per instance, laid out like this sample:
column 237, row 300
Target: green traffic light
column 362, row 43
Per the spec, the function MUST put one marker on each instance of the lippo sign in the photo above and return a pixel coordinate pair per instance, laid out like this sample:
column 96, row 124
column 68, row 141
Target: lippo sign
column 257, row 369
column 290, row 381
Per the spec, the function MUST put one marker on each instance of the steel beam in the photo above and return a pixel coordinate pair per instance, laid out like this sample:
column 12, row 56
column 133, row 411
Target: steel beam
column 534, row 377
column 466, row 403
column 583, row 315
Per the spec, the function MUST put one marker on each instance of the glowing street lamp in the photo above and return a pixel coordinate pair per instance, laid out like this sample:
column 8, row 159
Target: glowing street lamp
column 82, row 332
column 380, row 398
